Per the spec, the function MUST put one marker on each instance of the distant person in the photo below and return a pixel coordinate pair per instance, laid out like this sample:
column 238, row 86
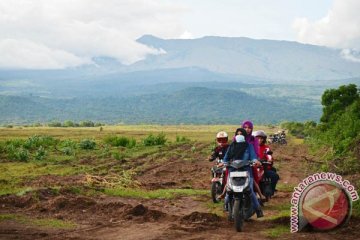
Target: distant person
column 240, row 149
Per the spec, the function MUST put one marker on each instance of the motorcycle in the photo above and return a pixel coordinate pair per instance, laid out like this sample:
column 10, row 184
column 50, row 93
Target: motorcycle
column 217, row 185
column 239, row 194
column 263, row 182
column 278, row 138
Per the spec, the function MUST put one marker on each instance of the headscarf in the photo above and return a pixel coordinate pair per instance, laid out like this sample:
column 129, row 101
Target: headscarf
column 251, row 139
column 239, row 148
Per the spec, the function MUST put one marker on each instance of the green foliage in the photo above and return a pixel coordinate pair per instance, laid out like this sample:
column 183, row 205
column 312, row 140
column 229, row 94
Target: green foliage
column 37, row 141
column 18, row 154
column 69, row 123
column 335, row 101
column 119, row 141
column 299, row 129
column 87, row 144
column 182, row 139
column 68, row 147
column 339, row 131
column 55, row 124
column 45, row 222
column 87, row 124
column 152, row 140
column 40, row 154
column 119, row 156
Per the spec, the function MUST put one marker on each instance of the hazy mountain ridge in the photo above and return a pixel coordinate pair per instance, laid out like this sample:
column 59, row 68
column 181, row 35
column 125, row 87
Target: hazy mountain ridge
column 269, row 59
column 190, row 105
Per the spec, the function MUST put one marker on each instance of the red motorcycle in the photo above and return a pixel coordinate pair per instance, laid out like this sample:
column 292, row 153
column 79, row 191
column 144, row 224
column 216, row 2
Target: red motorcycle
column 263, row 182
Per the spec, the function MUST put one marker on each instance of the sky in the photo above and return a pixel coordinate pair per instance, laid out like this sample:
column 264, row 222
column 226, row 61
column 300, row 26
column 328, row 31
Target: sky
column 56, row 34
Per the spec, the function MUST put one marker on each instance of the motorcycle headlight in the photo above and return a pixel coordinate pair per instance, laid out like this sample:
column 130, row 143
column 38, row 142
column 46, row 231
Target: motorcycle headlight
column 239, row 181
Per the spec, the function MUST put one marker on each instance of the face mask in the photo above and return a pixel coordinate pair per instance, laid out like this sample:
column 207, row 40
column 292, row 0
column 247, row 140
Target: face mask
column 240, row 138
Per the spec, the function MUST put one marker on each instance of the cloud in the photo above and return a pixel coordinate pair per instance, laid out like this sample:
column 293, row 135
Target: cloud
column 340, row 28
column 351, row 55
column 65, row 33
column 29, row 55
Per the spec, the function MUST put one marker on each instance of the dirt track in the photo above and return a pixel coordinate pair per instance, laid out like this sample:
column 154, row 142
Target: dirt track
column 107, row 217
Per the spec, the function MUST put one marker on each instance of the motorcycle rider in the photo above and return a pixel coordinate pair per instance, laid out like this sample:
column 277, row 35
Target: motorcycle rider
column 265, row 154
column 221, row 148
column 240, row 149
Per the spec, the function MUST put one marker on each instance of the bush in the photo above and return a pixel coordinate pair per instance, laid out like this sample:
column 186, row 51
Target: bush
column 69, row 123
column 36, row 141
column 55, row 124
column 182, row 139
column 118, row 141
column 40, row 154
column 119, row 156
column 68, row 151
column 87, row 144
column 18, row 154
column 68, row 147
column 152, row 140
column 299, row 129
column 86, row 124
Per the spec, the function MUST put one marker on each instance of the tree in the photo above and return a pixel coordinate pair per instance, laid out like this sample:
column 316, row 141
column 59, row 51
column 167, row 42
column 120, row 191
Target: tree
column 335, row 101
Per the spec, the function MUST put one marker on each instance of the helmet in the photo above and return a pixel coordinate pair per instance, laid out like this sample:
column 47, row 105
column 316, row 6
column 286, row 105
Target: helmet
column 222, row 138
column 259, row 133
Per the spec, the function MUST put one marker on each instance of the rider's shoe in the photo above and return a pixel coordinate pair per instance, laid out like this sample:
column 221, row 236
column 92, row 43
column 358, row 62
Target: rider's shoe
column 259, row 213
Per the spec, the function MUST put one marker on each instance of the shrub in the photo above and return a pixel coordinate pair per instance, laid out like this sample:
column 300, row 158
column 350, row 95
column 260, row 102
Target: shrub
column 87, row 124
column 118, row 141
column 67, row 151
column 119, row 156
column 181, row 139
column 68, row 147
column 18, row 154
column 152, row 140
column 69, row 123
column 40, row 154
column 36, row 141
column 87, row 144
column 55, row 124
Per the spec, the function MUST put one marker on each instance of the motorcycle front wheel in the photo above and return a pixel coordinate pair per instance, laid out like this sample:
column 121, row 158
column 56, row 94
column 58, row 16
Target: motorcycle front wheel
column 238, row 212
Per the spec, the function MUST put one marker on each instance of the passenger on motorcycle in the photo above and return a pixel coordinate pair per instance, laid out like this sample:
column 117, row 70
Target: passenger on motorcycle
column 221, row 148
column 265, row 154
column 240, row 149
column 249, row 126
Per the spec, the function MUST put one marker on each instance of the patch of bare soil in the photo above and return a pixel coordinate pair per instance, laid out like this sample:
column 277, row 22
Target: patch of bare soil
column 105, row 217
column 176, row 172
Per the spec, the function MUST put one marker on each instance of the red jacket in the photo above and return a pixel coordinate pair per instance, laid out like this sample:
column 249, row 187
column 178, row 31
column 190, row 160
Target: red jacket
column 263, row 150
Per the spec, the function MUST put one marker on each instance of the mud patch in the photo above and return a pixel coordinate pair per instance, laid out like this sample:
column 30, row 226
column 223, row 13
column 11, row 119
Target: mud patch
column 144, row 212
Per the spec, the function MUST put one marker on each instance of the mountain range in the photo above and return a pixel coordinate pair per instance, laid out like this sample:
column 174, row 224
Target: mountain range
column 206, row 80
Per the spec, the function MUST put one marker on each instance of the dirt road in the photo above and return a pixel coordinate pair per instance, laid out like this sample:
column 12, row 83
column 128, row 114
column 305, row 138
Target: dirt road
column 191, row 217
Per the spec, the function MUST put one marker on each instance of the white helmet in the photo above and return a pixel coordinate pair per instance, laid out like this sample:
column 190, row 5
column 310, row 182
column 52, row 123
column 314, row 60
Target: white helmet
column 259, row 133
column 222, row 138
column 221, row 134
